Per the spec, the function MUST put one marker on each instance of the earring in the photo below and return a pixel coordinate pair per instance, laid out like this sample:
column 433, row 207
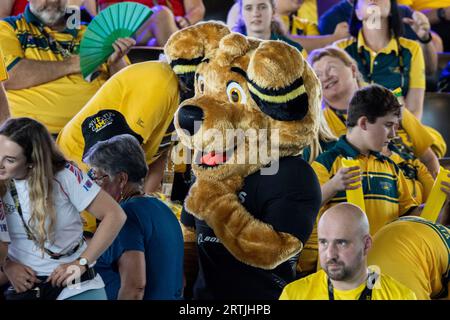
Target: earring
column 30, row 166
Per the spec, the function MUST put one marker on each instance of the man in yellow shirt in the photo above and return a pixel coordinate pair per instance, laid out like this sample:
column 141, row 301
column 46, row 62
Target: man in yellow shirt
column 41, row 48
column 4, row 108
column 141, row 100
column 415, row 252
column 344, row 242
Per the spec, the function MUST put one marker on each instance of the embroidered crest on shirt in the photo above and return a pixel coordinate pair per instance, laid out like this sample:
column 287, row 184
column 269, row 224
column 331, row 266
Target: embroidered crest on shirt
column 100, row 122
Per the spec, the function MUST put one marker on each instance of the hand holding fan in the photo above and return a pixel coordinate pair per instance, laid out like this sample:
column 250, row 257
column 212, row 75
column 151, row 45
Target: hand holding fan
column 120, row 20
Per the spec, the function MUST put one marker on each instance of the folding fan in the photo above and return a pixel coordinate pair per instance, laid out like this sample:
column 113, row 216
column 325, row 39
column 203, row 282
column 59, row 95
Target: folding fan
column 120, row 20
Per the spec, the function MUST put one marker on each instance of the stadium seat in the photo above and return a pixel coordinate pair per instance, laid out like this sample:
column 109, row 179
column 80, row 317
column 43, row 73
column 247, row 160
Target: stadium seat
column 436, row 114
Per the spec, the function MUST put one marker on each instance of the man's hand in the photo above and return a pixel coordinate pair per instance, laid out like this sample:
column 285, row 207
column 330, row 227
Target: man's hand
column 420, row 25
column 346, row 179
column 121, row 48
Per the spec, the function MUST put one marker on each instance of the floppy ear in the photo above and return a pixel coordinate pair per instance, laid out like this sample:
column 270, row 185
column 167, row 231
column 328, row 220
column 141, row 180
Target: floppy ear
column 276, row 83
column 186, row 48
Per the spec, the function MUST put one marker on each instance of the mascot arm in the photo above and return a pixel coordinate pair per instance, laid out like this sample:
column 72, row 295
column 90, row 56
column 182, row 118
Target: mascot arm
column 249, row 240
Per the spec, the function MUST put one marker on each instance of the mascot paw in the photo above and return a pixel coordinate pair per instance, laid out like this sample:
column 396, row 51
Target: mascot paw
column 206, row 193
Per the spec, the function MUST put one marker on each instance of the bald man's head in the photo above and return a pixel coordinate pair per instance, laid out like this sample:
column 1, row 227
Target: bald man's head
column 346, row 216
column 344, row 241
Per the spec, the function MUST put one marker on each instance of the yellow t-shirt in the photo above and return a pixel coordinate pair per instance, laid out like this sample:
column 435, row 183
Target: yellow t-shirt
column 314, row 287
column 425, row 4
column 56, row 102
column 140, row 100
column 414, row 252
column 308, row 11
column 3, row 72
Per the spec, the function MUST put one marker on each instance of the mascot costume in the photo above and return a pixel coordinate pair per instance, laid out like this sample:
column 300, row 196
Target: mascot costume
column 251, row 214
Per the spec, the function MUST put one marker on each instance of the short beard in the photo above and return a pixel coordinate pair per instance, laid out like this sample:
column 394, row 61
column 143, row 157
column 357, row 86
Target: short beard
column 47, row 18
column 344, row 274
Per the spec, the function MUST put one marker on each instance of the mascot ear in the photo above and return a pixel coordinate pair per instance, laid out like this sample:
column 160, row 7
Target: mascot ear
column 276, row 82
column 187, row 48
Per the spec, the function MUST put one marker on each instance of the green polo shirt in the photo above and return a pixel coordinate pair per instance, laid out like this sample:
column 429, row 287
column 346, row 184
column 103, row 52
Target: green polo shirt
column 384, row 67
column 386, row 193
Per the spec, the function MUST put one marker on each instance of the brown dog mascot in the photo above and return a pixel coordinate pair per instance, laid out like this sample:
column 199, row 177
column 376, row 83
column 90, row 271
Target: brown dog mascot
column 252, row 211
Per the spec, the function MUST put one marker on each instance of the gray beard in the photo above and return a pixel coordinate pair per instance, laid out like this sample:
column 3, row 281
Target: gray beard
column 47, row 18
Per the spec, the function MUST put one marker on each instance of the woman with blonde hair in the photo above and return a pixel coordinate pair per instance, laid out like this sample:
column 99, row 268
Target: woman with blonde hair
column 43, row 196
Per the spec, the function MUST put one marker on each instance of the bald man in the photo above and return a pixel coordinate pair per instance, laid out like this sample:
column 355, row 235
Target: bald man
column 344, row 242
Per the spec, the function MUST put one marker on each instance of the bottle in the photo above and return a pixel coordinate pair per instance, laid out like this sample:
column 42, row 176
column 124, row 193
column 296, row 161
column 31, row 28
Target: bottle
column 356, row 196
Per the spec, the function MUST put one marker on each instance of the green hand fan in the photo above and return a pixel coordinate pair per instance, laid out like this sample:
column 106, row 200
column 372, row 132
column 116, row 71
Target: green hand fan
column 120, row 20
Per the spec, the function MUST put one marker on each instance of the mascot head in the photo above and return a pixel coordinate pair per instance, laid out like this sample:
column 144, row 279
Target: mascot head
column 254, row 101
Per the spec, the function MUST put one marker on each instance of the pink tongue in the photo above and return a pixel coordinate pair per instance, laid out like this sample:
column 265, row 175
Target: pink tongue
column 213, row 159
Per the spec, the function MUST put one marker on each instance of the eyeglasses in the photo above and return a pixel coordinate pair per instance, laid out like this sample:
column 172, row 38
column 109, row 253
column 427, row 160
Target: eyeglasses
column 93, row 176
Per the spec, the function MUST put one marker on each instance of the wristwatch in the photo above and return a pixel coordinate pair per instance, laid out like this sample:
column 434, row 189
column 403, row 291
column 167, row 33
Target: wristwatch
column 441, row 15
column 428, row 40
column 83, row 262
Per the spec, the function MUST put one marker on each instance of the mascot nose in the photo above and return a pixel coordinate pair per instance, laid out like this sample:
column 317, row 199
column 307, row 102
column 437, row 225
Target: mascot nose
column 187, row 117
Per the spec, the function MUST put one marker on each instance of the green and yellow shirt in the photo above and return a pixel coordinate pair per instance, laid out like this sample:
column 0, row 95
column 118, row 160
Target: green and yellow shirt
column 399, row 65
column 386, row 193
column 56, row 102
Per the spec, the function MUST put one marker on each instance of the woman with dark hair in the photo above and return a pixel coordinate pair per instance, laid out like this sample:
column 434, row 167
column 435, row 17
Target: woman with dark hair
column 43, row 196
column 383, row 55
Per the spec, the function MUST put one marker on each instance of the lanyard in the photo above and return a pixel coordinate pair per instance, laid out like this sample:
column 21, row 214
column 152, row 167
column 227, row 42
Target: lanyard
column 365, row 295
column 30, row 236
column 66, row 53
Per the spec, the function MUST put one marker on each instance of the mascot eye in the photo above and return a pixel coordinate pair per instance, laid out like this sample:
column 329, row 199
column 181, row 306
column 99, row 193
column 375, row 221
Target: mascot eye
column 201, row 84
column 235, row 93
